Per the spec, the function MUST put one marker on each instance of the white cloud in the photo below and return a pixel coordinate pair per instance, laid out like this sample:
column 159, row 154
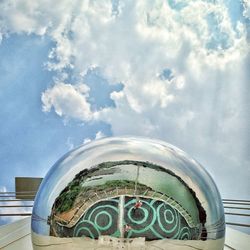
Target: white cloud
column 98, row 135
column 159, row 36
column 68, row 101
column 69, row 143
column 246, row 5
column 3, row 189
column 86, row 140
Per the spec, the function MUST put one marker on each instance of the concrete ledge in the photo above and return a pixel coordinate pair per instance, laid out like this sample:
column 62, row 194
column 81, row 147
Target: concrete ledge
column 16, row 235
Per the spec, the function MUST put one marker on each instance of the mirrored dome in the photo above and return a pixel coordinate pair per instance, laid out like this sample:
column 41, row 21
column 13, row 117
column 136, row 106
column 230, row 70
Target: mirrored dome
column 128, row 192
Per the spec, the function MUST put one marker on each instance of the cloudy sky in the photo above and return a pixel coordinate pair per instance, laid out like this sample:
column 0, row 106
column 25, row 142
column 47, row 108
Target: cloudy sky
column 176, row 70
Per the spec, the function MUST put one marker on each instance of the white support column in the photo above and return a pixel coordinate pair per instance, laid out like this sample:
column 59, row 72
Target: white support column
column 121, row 215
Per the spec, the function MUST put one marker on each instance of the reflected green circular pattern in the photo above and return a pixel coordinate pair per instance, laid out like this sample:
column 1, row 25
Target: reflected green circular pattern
column 95, row 211
column 139, row 226
column 169, row 227
column 171, row 214
column 101, row 214
column 163, row 220
column 155, row 219
column 81, row 232
column 185, row 234
column 134, row 220
column 86, row 229
column 101, row 219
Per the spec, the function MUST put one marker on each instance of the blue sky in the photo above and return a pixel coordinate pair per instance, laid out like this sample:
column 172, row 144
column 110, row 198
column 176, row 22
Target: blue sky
column 172, row 70
column 28, row 135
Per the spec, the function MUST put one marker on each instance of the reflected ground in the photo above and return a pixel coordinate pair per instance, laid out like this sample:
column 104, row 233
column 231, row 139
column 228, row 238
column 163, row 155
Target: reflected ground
column 169, row 209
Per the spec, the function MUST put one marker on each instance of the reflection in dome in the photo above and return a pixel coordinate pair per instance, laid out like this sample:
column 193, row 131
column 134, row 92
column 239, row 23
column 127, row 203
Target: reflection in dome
column 143, row 191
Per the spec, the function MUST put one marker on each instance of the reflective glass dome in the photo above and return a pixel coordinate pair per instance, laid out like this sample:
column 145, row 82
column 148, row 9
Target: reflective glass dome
column 128, row 192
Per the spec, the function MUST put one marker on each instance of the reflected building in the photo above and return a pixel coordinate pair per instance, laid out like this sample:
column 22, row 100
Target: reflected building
column 128, row 191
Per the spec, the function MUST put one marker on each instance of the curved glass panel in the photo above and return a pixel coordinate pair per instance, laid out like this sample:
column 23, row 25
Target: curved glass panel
column 128, row 191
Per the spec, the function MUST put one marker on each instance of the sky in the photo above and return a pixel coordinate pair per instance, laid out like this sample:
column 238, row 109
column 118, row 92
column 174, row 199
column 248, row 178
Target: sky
column 174, row 70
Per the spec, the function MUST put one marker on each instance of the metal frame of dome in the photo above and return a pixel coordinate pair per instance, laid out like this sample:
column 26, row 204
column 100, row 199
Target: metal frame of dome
column 174, row 181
